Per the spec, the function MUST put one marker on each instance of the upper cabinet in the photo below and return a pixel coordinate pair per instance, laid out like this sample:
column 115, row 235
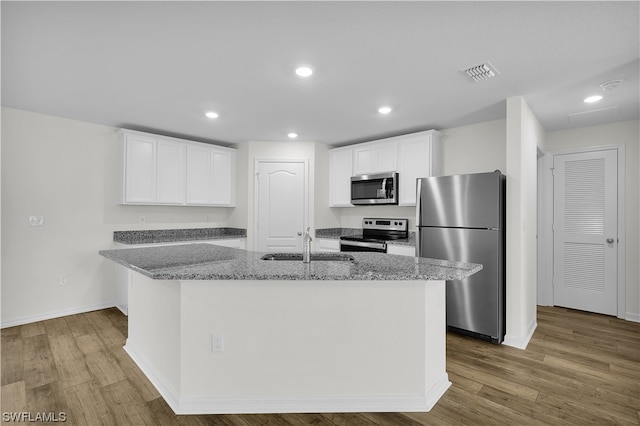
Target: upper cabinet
column 374, row 158
column 162, row 170
column 340, row 172
column 419, row 155
column 413, row 156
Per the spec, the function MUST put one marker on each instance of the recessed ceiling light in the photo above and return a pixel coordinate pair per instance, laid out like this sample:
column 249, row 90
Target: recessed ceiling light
column 384, row 110
column 304, row 71
column 211, row 114
column 592, row 99
column 292, row 135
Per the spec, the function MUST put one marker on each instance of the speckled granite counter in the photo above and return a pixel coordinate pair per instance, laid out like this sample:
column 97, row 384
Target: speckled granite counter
column 174, row 235
column 209, row 262
column 336, row 233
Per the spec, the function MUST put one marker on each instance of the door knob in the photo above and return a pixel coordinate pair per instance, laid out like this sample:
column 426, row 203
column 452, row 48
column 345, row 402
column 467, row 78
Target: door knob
column 300, row 234
column 610, row 240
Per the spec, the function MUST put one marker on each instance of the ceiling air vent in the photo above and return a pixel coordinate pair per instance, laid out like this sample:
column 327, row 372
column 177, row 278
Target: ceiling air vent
column 481, row 72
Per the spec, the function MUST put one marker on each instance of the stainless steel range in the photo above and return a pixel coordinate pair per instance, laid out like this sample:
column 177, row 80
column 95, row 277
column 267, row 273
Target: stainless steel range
column 375, row 234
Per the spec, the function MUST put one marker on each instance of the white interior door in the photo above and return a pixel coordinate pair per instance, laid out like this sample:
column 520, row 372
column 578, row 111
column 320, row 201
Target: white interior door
column 585, row 236
column 281, row 205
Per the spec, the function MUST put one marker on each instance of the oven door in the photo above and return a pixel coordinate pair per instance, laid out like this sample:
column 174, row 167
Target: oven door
column 349, row 245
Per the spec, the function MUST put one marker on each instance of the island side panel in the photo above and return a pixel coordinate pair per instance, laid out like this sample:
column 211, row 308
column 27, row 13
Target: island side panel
column 311, row 346
column 153, row 341
column 436, row 377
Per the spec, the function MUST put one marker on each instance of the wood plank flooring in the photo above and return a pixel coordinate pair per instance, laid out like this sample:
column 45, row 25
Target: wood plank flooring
column 579, row 368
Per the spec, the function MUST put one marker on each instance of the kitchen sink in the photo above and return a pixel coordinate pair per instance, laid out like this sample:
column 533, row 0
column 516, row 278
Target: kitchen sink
column 315, row 257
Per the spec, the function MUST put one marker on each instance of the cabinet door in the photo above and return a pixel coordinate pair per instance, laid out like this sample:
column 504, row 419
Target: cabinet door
column 140, row 169
column 340, row 164
column 414, row 162
column 375, row 158
column 401, row 250
column 170, row 173
column 199, row 175
column 363, row 160
column 385, row 155
column 327, row 245
column 223, row 177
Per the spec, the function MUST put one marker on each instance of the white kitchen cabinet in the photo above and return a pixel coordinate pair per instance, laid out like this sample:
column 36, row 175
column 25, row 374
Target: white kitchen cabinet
column 340, row 172
column 413, row 156
column 210, row 176
column 401, row 250
column 168, row 171
column 419, row 155
column 375, row 157
column 139, row 161
column 124, row 275
column 327, row 245
column 238, row 243
column 199, row 172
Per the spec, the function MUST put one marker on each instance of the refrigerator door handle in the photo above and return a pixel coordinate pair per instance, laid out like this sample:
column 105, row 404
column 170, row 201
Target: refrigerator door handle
column 418, row 214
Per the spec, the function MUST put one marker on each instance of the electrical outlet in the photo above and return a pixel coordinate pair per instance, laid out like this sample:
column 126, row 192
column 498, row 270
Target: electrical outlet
column 63, row 279
column 36, row 220
column 217, row 343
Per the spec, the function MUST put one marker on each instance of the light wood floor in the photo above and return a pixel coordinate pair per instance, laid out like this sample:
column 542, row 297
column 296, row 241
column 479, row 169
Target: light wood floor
column 579, row 368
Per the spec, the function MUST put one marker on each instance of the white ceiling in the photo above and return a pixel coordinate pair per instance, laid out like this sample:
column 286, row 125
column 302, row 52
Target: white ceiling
column 158, row 66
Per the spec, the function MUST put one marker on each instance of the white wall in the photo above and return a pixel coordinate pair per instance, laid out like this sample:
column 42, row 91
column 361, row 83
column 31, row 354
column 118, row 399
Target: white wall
column 624, row 133
column 66, row 171
column 524, row 135
column 476, row 148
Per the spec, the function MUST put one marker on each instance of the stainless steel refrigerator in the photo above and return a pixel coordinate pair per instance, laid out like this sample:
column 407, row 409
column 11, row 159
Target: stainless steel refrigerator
column 462, row 218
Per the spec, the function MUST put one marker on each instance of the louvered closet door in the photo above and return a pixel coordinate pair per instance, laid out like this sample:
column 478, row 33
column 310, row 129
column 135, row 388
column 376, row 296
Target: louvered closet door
column 585, row 231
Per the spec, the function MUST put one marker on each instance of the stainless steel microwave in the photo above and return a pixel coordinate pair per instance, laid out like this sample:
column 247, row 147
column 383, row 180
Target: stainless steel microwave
column 377, row 188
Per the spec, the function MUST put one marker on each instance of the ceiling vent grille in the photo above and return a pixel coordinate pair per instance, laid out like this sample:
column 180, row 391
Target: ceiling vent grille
column 481, row 72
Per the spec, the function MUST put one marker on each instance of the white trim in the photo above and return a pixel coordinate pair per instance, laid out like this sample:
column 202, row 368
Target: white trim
column 56, row 314
column 290, row 403
column 521, row 343
column 632, row 317
column 256, row 167
column 311, row 404
column 622, row 242
column 545, row 233
column 164, row 388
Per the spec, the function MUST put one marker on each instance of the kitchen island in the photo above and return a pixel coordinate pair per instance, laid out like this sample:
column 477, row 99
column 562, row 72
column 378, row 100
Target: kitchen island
column 218, row 330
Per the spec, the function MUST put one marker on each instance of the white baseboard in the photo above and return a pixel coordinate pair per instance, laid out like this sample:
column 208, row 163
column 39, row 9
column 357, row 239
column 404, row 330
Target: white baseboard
column 55, row 314
column 288, row 404
column 632, row 317
column 521, row 342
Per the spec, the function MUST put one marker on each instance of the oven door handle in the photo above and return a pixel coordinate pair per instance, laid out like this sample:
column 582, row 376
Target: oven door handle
column 381, row 246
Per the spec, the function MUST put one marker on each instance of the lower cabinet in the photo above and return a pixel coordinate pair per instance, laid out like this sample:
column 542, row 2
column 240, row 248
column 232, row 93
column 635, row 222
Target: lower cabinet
column 327, row 245
column 123, row 274
column 402, row 250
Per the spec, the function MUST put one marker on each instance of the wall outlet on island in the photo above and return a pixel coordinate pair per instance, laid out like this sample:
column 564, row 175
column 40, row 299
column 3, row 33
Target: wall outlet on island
column 217, row 343
column 63, row 279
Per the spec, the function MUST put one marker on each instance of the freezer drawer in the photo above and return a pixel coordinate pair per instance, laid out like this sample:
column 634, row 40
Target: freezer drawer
column 475, row 304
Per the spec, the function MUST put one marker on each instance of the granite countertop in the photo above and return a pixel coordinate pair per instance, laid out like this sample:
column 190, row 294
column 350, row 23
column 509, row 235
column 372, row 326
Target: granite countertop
column 336, row 233
column 176, row 235
column 209, row 262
